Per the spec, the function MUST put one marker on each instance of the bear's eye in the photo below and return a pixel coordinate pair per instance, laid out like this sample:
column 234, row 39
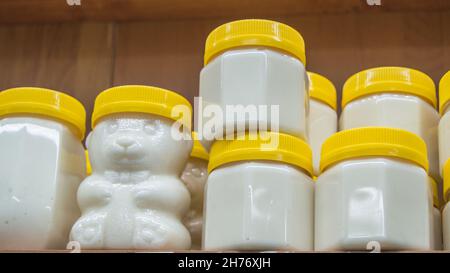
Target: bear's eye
column 112, row 128
column 150, row 128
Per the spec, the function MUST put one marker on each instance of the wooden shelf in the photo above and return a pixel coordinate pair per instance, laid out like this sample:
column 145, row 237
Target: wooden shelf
column 24, row 11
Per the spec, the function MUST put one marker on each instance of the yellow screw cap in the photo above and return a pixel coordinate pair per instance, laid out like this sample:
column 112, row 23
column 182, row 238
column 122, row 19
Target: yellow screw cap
column 257, row 146
column 444, row 92
column 434, row 189
column 389, row 80
column 254, row 32
column 446, row 176
column 141, row 99
column 371, row 142
column 88, row 163
column 198, row 151
column 322, row 89
column 45, row 102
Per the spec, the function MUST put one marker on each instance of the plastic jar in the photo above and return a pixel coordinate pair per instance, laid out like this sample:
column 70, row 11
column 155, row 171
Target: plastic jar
column 259, row 197
column 322, row 115
column 194, row 177
column 437, row 218
column 394, row 97
column 253, row 63
column 444, row 123
column 41, row 165
column 134, row 198
column 373, row 188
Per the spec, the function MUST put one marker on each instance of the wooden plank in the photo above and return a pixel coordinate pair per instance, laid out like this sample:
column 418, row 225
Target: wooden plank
column 59, row 10
column 73, row 58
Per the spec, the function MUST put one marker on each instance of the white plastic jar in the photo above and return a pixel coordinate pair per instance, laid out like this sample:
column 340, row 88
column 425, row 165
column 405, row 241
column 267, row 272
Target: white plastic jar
column 138, row 147
column 253, row 63
column 194, row 177
column 373, row 189
column 437, row 217
column 259, row 195
column 41, row 165
column 444, row 123
column 394, row 97
column 322, row 115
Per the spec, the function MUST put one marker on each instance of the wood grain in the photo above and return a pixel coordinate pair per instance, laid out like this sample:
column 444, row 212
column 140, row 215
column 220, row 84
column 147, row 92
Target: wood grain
column 14, row 11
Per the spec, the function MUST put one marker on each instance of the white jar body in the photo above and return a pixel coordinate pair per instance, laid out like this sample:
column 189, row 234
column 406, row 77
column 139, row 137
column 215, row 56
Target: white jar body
column 322, row 124
column 401, row 111
column 437, row 229
column 194, row 177
column 373, row 199
column 134, row 198
column 446, row 227
column 258, row 205
column 254, row 77
column 444, row 139
column 42, row 163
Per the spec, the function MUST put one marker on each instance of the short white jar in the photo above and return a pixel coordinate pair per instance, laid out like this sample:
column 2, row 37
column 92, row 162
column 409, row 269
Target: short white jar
column 259, row 196
column 373, row 189
column 41, row 165
column 444, row 123
column 194, row 177
column 437, row 217
column 254, row 75
column 322, row 115
column 394, row 97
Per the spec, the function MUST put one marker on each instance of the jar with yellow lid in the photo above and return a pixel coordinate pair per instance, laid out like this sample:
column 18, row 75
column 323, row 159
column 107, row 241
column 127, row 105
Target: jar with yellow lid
column 373, row 188
column 259, row 195
column 444, row 123
column 255, row 68
column 394, row 97
column 41, row 166
column 437, row 217
column 194, row 177
column 322, row 114
column 134, row 198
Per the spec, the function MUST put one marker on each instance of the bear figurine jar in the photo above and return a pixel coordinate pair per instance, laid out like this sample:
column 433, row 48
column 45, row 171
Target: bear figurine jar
column 134, row 198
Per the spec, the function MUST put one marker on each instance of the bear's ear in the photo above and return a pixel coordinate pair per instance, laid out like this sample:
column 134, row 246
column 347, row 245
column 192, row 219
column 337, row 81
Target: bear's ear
column 88, row 140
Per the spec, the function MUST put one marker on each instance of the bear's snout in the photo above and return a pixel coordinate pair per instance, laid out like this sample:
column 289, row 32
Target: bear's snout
column 125, row 141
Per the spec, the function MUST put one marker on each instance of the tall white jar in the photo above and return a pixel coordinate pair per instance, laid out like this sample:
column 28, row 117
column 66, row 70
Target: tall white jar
column 394, row 97
column 444, row 123
column 322, row 115
column 257, row 69
column 259, row 196
column 373, row 189
column 42, row 163
column 194, row 177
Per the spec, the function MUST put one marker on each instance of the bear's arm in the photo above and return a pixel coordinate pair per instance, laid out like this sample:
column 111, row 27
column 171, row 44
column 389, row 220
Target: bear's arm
column 94, row 192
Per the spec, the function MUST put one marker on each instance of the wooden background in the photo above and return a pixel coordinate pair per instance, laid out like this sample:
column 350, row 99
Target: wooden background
column 84, row 50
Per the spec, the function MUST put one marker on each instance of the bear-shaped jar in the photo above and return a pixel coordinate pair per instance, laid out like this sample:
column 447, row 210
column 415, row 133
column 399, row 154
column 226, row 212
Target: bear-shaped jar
column 194, row 177
column 134, row 198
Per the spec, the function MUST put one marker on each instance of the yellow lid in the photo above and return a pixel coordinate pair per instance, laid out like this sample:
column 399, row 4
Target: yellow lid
column 256, row 146
column 88, row 163
column 389, row 80
column 434, row 189
column 444, row 91
column 46, row 102
column 373, row 141
column 141, row 99
column 254, row 32
column 446, row 175
column 198, row 151
column 320, row 88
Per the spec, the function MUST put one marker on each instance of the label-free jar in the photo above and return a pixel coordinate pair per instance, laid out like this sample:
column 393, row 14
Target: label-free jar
column 249, row 65
column 437, row 218
column 322, row 114
column 194, row 177
column 373, row 188
column 134, row 198
column 41, row 166
column 394, row 97
column 444, row 123
column 259, row 196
